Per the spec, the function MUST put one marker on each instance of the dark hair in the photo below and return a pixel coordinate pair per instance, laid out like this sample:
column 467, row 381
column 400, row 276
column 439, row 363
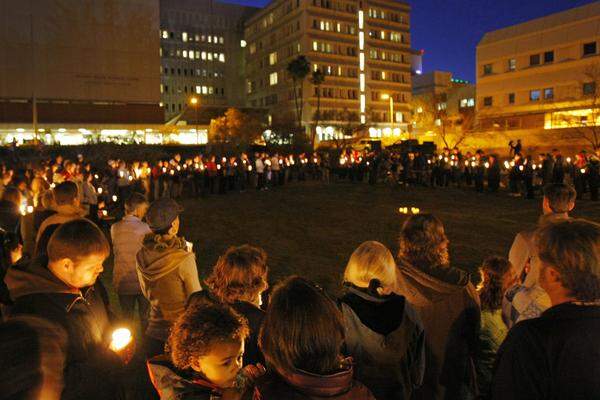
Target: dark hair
column 66, row 193
column 302, row 329
column 202, row 324
column 572, row 248
column 240, row 274
column 134, row 201
column 77, row 239
column 423, row 242
column 493, row 270
column 560, row 196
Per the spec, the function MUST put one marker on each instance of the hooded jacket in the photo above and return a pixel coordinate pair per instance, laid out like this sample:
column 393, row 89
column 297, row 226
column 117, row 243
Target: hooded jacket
column 168, row 276
column 448, row 305
column 91, row 370
column 302, row 385
column 385, row 337
column 173, row 384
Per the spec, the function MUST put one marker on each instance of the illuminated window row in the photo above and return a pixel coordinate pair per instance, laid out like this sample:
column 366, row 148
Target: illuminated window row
column 382, row 14
column 195, row 55
column 189, row 37
column 166, row 89
column 333, row 26
column 166, row 71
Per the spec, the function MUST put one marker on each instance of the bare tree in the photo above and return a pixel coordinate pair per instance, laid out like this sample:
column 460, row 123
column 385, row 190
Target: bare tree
column 585, row 124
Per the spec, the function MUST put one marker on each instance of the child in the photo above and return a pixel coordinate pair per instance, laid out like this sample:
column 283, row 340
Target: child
column 497, row 276
column 301, row 339
column 206, row 347
column 239, row 278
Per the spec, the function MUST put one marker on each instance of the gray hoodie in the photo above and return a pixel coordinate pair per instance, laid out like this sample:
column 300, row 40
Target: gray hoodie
column 168, row 275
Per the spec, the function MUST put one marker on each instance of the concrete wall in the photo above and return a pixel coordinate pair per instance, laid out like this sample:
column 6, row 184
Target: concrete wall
column 85, row 50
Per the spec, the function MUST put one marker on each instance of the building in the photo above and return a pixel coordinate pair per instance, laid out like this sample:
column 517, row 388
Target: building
column 201, row 48
column 363, row 49
column 443, row 107
column 73, row 71
column 538, row 80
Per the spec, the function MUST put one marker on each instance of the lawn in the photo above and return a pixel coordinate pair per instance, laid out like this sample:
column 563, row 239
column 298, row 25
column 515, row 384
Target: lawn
column 311, row 228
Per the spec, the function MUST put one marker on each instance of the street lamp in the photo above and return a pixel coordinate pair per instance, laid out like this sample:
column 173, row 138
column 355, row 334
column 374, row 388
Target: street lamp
column 386, row 96
column 196, row 104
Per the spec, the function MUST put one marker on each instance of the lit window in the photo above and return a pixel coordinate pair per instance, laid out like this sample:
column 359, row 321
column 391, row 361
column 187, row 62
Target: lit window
column 209, row 39
column 165, row 34
column 184, row 36
column 315, row 67
column 361, row 19
column 361, row 40
column 273, row 58
column 197, row 55
column 382, row 35
column 197, row 38
column 210, row 56
column 362, row 82
column 361, row 61
column 222, row 57
column 203, row 55
column 185, row 54
column 363, row 103
column 383, row 75
column 419, row 110
column 273, row 78
column 438, row 122
column 512, row 64
column 548, row 93
column 204, row 90
column 534, row 95
column 315, row 46
column 198, row 89
column 221, row 39
column 471, row 102
column 191, row 55
column 242, row 43
column 162, row 88
column 215, row 39
column 252, row 48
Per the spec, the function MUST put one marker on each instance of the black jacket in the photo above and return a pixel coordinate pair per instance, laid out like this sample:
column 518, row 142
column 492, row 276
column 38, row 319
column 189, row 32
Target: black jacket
column 91, row 370
column 555, row 356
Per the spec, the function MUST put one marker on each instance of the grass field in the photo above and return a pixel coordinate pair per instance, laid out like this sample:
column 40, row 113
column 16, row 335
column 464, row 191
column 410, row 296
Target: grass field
column 310, row 228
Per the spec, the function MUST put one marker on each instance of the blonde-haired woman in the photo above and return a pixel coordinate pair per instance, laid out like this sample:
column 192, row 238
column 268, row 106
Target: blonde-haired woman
column 383, row 332
column 447, row 303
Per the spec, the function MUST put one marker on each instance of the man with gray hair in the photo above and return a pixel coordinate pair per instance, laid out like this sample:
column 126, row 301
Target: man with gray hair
column 557, row 356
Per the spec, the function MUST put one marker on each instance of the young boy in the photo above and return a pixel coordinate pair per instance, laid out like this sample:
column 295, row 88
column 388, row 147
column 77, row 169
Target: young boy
column 206, row 350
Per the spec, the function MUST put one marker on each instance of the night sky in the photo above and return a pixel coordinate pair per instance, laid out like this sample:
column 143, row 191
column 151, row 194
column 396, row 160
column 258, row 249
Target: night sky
column 449, row 30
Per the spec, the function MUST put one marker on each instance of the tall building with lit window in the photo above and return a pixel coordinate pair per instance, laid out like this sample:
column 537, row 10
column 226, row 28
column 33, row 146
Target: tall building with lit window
column 362, row 47
column 201, row 49
column 538, row 80
column 439, row 98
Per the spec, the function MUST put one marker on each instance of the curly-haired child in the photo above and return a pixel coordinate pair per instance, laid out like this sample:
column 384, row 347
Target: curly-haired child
column 204, row 358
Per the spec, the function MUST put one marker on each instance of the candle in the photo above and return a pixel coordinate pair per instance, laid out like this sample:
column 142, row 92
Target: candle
column 99, row 190
column 114, row 198
column 120, row 339
column 29, row 209
column 487, row 164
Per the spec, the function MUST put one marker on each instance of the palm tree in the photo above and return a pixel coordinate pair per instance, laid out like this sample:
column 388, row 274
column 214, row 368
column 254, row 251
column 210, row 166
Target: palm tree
column 298, row 68
column 318, row 77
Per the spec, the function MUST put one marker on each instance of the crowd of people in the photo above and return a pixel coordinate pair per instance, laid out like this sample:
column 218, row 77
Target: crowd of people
column 409, row 326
